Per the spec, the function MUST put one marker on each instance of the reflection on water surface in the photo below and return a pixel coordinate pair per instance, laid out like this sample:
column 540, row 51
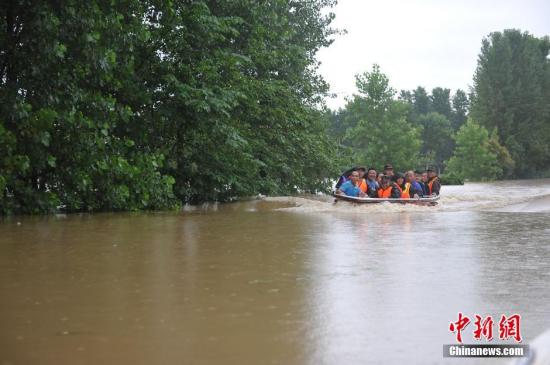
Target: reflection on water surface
column 256, row 282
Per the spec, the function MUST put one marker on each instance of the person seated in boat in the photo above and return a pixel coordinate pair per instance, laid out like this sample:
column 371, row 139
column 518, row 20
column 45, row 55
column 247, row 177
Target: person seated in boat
column 372, row 181
column 434, row 183
column 425, row 183
column 399, row 180
column 388, row 170
column 415, row 190
column 362, row 183
column 350, row 187
column 344, row 177
column 379, row 178
column 388, row 189
column 419, row 184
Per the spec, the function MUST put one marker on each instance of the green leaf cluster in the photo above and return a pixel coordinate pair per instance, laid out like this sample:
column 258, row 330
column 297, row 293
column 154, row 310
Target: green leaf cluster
column 145, row 104
column 511, row 94
column 475, row 157
column 438, row 116
column 373, row 127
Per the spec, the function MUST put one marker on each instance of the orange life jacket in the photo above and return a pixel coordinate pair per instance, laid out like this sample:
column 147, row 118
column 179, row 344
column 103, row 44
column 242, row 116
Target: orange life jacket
column 385, row 193
column 405, row 192
column 362, row 185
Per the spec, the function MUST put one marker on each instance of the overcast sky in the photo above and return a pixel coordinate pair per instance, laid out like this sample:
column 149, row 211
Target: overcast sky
column 420, row 42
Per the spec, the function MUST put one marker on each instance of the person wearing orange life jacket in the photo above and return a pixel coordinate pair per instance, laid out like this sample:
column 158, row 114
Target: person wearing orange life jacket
column 387, row 189
column 434, row 183
column 361, row 183
column 350, row 188
column 399, row 180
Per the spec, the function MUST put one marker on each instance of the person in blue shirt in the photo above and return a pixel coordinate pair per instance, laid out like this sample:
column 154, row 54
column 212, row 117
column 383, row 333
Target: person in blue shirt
column 344, row 177
column 350, row 188
column 410, row 177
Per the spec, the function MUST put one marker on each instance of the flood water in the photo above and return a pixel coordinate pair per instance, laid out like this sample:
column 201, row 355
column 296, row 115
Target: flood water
column 275, row 281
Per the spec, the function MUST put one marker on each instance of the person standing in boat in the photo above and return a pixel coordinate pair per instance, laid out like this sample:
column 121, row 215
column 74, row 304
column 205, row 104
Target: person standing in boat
column 350, row 187
column 388, row 189
column 434, row 183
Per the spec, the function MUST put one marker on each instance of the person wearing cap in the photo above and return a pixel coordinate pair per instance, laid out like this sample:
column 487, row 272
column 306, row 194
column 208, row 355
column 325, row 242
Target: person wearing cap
column 350, row 188
column 388, row 189
column 434, row 183
column 388, row 170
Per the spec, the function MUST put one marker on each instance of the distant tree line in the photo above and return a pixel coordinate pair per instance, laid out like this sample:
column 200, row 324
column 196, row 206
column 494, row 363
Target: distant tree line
column 412, row 130
column 147, row 104
column 500, row 130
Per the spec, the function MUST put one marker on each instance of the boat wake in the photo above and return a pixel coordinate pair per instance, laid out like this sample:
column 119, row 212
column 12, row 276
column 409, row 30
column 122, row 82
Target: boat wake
column 508, row 196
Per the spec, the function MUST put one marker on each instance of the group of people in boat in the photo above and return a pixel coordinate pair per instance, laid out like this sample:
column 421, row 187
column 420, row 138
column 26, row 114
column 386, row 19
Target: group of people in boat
column 363, row 182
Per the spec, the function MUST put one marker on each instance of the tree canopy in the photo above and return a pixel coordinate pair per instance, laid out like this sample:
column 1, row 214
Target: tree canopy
column 374, row 125
column 145, row 104
column 474, row 157
column 512, row 94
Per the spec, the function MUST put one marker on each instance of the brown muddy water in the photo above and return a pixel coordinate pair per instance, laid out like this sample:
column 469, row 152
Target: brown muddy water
column 275, row 281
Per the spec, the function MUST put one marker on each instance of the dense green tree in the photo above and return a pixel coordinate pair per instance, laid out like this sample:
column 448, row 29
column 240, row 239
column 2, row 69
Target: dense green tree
column 440, row 102
column 436, row 136
column 504, row 159
column 390, row 139
column 377, row 130
column 374, row 87
column 438, row 118
column 512, row 93
column 422, row 103
column 144, row 104
column 406, row 96
column 473, row 157
column 460, row 109
column 62, row 71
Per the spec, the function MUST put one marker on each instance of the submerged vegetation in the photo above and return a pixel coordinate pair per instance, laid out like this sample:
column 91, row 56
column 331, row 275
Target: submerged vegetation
column 148, row 105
